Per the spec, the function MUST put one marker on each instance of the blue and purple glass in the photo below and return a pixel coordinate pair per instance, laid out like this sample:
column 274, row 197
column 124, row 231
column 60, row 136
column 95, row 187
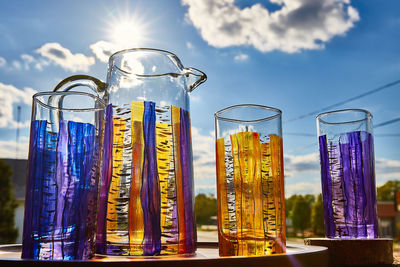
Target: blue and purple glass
column 61, row 196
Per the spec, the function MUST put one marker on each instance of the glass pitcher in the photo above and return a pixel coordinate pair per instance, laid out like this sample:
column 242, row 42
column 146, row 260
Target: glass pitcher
column 146, row 201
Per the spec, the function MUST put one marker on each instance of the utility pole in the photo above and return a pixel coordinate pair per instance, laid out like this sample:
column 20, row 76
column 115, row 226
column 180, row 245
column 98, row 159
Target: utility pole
column 17, row 137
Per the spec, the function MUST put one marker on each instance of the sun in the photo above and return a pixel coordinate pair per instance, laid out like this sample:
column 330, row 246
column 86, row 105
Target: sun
column 128, row 32
column 128, row 27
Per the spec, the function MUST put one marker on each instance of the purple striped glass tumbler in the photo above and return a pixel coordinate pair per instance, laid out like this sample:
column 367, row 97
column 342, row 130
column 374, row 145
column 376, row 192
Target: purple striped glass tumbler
column 348, row 173
column 63, row 174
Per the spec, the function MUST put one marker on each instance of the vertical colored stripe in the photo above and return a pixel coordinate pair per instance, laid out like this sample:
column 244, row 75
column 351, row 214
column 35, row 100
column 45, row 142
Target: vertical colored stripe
column 135, row 213
column 176, row 118
column 326, row 182
column 369, row 183
column 279, row 192
column 105, row 182
column 112, row 218
column 150, row 194
column 187, row 181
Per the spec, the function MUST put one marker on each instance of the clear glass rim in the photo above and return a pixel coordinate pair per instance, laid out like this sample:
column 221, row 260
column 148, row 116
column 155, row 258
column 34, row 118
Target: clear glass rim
column 155, row 50
column 68, row 93
column 368, row 114
column 218, row 114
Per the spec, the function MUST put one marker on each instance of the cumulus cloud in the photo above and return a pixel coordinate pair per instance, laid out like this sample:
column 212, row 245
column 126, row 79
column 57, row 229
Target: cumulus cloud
column 9, row 96
column 103, row 50
column 204, row 156
column 297, row 25
column 241, row 57
column 16, row 64
column 63, row 57
column 8, row 148
column 301, row 163
column 27, row 59
column 3, row 62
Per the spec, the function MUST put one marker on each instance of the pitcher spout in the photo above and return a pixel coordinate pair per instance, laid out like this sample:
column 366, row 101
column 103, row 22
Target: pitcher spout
column 194, row 77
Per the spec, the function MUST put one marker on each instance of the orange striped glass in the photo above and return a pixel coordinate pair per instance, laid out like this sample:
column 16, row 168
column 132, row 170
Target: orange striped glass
column 250, row 184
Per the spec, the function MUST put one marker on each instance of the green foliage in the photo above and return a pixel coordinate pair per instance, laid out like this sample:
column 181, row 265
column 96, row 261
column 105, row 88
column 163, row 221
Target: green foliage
column 300, row 214
column 205, row 207
column 386, row 192
column 8, row 204
column 289, row 203
column 317, row 216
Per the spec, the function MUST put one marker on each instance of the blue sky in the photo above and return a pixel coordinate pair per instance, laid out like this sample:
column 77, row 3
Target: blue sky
column 295, row 55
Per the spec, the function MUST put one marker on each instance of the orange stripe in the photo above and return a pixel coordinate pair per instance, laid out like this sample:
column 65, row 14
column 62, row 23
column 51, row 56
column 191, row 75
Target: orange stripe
column 135, row 213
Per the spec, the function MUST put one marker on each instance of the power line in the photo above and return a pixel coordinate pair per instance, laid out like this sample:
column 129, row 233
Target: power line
column 387, row 122
column 345, row 101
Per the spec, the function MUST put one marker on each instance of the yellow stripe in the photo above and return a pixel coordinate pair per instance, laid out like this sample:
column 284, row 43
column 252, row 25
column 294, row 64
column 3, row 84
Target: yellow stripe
column 118, row 138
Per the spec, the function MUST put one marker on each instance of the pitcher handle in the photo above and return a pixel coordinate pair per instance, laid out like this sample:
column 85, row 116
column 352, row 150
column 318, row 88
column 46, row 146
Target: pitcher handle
column 195, row 77
column 94, row 84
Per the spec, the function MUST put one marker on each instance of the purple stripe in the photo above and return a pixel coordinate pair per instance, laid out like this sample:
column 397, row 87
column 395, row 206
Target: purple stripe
column 85, row 188
column 368, row 170
column 150, row 192
column 187, row 180
column 326, row 182
column 105, row 182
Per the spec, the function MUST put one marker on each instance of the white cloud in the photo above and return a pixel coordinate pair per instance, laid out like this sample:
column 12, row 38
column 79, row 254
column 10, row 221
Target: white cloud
column 16, row 64
column 3, row 62
column 8, row 148
column 103, row 50
column 241, row 57
column 27, row 59
column 301, row 163
column 297, row 25
column 203, row 156
column 10, row 95
column 302, row 188
column 386, row 169
column 63, row 57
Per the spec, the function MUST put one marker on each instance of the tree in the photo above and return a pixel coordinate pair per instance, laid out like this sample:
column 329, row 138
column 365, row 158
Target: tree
column 386, row 192
column 8, row 204
column 317, row 216
column 300, row 214
column 205, row 207
column 289, row 203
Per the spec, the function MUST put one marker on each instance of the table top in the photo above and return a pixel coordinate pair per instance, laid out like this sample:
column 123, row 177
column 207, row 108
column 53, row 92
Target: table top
column 207, row 253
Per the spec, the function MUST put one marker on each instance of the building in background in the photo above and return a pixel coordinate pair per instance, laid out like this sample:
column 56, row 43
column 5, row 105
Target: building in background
column 388, row 217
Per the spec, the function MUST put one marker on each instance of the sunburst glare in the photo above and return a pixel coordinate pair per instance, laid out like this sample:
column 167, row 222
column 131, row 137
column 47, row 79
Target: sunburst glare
column 128, row 30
